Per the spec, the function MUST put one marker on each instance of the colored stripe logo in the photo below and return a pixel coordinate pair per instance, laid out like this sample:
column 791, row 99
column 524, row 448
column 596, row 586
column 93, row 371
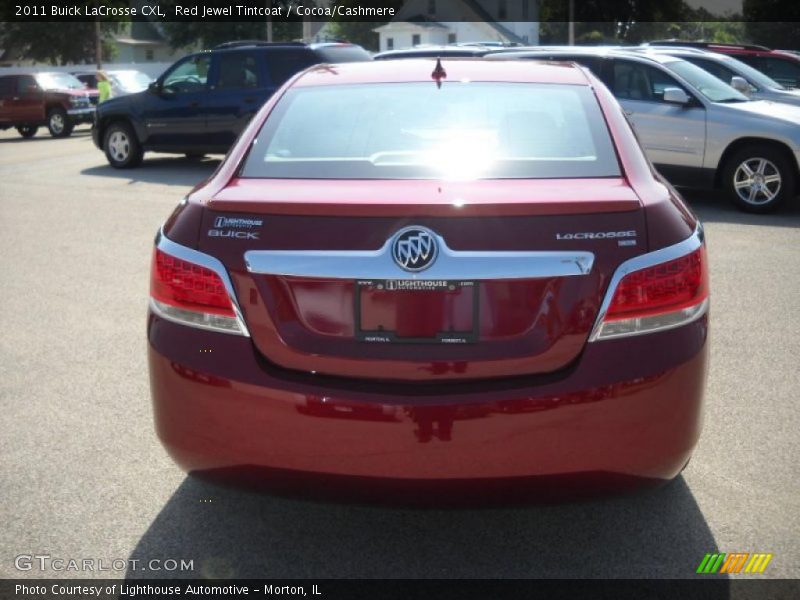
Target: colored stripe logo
column 736, row 562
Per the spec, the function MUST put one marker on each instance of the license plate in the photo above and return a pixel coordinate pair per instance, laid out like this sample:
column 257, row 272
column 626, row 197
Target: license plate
column 416, row 311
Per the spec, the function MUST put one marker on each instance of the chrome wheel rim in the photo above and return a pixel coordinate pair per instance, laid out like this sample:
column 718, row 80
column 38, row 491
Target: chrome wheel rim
column 57, row 122
column 757, row 181
column 119, row 146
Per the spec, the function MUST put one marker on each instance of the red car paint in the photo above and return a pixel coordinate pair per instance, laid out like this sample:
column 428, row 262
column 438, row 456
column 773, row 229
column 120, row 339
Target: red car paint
column 536, row 396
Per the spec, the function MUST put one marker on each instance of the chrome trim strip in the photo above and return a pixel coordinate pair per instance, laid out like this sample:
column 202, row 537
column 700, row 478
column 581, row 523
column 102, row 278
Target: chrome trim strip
column 449, row 264
column 166, row 245
column 643, row 261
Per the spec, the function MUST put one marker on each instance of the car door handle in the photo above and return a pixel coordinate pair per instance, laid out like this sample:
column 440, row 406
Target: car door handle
column 194, row 104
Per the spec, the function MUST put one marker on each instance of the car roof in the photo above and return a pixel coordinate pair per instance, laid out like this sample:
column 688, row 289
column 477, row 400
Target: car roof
column 724, row 49
column 266, row 46
column 599, row 51
column 421, row 51
column 688, row 52
column 456, row 69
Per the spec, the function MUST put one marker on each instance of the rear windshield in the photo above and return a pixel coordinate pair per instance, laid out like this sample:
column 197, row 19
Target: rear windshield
column 417, row 131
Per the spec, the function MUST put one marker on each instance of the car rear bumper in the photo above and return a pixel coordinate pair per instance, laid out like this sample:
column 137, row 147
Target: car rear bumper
column 629, row 408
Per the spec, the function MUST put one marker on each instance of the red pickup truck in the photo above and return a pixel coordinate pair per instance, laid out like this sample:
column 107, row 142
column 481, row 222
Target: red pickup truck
column 56, row 100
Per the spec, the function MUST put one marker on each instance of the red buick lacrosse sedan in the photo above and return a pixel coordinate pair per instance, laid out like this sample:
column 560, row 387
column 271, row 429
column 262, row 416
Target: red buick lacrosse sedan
column 462, row 274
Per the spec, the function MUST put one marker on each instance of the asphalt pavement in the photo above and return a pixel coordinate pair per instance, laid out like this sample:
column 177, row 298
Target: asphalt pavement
column 82, row 474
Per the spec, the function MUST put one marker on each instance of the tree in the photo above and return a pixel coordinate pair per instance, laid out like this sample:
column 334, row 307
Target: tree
column 609, row 21
column 762, row 28
column 360, row 32
column 47, row 42
column 208, row 34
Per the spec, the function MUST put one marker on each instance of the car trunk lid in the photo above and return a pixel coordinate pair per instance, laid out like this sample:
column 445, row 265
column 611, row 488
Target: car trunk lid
column 520, row 271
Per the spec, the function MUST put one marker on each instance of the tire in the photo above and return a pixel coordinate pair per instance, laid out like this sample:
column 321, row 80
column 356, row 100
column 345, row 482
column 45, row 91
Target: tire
column 27, row 131
column 57, row 122
column 122, row 147
column 758, row 178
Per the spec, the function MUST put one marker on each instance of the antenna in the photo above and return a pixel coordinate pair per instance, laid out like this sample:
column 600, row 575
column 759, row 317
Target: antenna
column 439, row 73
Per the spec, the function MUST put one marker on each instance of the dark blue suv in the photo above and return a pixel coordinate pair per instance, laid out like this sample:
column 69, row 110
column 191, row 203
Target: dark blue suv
column 202, row 102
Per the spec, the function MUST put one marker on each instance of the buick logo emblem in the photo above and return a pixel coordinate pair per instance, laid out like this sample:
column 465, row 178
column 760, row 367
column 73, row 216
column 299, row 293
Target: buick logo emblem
column 414, row 248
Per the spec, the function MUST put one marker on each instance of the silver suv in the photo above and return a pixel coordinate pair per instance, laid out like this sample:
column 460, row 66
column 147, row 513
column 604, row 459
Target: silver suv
column 697, row 130
column 741, row 76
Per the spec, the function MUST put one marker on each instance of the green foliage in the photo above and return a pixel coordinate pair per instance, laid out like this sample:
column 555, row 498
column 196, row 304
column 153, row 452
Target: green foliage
column 360, row 32
column 763, row 29
column 61, row 42
column 723, row 32
column 355, row 32
column 613, row 12
column 208, row 34
column 637, row 21
column 48, row 42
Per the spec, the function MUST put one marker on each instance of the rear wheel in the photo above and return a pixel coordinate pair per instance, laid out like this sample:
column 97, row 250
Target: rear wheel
column 27, row 131
column 758, row 178
column 122, row 147
column 57, row 122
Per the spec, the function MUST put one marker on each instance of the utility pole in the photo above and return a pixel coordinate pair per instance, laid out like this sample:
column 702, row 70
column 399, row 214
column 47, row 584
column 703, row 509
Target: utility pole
column 269, row 21
column 98, row 44
column 571, row 23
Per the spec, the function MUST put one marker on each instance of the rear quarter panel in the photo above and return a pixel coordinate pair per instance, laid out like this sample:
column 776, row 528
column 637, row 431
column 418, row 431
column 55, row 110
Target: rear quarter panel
column 668, row 219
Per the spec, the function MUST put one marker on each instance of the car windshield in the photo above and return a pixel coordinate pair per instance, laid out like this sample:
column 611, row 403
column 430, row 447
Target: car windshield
column 463, row 130
column 706, row 83
column 754, row 76
column 59, row 81
column 134, row 81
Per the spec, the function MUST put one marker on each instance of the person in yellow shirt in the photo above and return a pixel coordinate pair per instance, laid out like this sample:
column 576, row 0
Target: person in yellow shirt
column 103, row 86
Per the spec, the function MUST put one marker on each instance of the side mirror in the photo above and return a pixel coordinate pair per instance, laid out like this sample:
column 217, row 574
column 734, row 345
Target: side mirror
column 740, row 84
column 675, row 95
column 32, row 90
column 154, row 87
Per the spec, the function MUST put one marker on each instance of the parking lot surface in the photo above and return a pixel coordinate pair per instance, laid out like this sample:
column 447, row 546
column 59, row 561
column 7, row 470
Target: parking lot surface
column 83, row 475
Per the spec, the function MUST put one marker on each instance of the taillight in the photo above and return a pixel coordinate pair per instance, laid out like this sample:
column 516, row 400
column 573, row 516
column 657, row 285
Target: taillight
column 657, row 297
column 191, row 294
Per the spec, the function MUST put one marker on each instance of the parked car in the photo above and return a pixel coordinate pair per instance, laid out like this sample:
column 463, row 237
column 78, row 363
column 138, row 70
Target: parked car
column 697, row 130
column 781, row 65
column 434, row 52
column 31, row 100
column 123, row 81
column 89, row 80
column 489, row 44
column 740, row 76
column 203, row 101
column 462, row 247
